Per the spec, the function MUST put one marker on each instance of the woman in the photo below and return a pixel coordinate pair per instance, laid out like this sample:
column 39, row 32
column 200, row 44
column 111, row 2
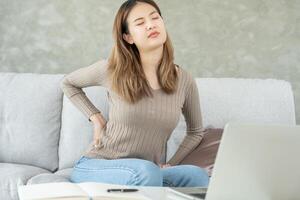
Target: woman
column 147, row 93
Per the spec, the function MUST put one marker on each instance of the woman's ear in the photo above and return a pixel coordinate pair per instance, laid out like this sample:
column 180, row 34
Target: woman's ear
column 127, row 38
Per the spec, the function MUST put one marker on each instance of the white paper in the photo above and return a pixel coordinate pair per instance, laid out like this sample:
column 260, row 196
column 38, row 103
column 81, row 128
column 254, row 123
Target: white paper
column 50, row 190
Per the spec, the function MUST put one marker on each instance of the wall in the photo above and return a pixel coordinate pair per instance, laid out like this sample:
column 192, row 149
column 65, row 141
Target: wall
column 230, row 38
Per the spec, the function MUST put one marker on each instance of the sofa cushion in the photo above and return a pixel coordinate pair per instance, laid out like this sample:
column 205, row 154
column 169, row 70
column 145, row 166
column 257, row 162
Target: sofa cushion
column 13, row 175
column 248, row 100
column 65, row 172
column 76, row 130
column 30, row 109
column 205, row 153
column 46, row 178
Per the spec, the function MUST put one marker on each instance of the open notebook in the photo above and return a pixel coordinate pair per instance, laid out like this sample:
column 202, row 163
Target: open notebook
column 77, row 191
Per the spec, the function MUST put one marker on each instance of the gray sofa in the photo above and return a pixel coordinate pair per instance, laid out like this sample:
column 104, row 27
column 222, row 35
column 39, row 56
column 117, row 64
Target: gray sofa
column 42, row 134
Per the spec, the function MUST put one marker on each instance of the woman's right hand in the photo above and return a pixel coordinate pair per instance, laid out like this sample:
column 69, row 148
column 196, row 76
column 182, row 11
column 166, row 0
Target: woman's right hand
column 99, row 127
column 98, row 132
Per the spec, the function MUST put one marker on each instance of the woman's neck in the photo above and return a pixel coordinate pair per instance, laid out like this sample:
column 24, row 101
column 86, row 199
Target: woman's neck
column 151, row 59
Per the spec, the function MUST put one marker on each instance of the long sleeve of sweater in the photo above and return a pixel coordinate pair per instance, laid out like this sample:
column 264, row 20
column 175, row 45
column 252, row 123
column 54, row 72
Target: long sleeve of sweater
column 72, row 84
column 195, row 131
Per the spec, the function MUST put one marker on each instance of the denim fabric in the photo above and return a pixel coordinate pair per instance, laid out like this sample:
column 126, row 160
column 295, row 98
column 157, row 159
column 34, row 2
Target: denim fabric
column 133, row 171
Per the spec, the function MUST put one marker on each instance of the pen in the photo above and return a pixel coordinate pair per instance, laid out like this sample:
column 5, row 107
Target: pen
column 122, row 190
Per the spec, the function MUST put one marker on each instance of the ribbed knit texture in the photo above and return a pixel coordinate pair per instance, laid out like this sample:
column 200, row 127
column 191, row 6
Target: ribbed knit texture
column 140, row 130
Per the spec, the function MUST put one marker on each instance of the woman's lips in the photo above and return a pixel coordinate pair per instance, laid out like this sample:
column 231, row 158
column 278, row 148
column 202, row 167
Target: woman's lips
column 153, row 35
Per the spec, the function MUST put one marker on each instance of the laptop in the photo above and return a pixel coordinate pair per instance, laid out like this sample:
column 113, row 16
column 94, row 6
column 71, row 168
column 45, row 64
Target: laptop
column 255, row 161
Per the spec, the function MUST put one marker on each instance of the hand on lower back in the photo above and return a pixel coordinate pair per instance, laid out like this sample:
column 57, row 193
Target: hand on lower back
column 98, row 131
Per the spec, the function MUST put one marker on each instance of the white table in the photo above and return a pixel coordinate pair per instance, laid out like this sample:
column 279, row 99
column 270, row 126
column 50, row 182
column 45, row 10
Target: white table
column 66, row 189
column 162, row 193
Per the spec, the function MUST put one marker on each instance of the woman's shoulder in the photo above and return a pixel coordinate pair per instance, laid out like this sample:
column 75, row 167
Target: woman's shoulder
column 186, row 78
column 101, row 66
column 102, row 63
column 186, row 75
column 96, row 71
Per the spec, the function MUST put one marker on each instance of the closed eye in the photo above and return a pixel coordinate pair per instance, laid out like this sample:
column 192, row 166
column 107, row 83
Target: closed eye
column 143, row 22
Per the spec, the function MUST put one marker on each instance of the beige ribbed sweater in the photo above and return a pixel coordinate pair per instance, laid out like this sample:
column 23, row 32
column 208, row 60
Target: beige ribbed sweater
column 143, row 129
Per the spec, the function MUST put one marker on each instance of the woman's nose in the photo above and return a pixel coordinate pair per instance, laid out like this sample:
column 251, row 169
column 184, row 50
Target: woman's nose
column 149, row 25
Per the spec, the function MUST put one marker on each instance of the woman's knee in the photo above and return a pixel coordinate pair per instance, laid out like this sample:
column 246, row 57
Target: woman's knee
column 197, row 175
column 148, row 174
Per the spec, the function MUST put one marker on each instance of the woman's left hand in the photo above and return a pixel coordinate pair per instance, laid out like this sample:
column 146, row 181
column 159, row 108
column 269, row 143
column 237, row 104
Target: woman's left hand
column 164, row 165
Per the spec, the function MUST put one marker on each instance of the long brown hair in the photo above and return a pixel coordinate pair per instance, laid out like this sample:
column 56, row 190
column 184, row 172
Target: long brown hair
column 124, row 65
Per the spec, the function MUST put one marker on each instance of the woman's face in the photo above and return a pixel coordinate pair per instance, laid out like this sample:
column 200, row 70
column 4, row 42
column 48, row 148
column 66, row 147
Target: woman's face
column 143, row 20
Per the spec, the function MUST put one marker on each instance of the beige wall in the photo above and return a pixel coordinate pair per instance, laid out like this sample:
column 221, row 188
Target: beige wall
column 229, row 38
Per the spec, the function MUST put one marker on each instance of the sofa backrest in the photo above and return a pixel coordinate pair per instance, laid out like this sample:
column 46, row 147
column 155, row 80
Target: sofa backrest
column 30, row 114
column 246, row 100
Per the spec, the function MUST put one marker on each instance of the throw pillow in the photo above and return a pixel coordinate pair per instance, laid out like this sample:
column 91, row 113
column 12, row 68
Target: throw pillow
column 204, row 154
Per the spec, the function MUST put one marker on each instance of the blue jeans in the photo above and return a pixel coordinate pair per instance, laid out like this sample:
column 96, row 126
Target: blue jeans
column 132, row 171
